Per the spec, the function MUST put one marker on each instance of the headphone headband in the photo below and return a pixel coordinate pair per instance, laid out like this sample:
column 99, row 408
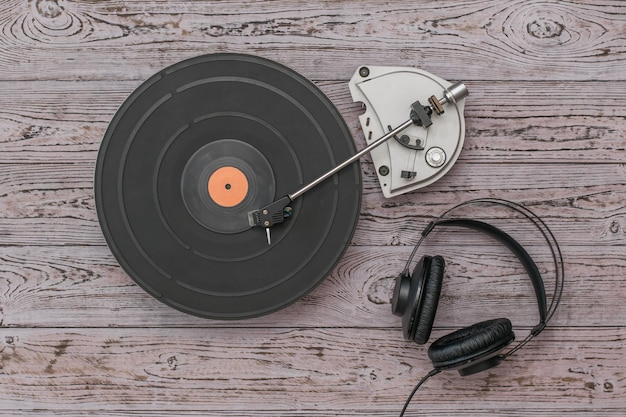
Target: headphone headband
column 525, row 259
column 466, row 358
column 545, row 312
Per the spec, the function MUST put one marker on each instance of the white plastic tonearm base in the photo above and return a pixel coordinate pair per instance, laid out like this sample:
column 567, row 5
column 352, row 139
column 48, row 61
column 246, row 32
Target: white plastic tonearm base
column 387, row 93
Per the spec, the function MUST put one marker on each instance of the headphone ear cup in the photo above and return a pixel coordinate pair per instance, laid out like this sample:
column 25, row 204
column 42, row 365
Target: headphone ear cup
column 472, row 349
column 401, row 294
column 425, row 314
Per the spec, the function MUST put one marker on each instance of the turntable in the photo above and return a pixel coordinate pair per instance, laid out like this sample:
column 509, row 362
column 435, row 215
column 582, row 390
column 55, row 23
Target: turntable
column 226, row 185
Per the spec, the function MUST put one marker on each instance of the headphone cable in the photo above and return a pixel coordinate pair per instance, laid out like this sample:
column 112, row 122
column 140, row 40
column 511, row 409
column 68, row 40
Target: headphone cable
column 419, row 384
column 557, row 258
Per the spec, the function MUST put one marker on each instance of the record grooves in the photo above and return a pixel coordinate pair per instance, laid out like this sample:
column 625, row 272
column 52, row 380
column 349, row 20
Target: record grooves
column 192, row 151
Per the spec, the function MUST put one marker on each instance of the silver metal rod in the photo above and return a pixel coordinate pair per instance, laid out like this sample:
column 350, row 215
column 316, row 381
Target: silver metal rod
column 352, row 159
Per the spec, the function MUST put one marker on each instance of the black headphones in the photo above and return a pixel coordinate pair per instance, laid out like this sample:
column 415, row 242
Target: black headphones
column 477, row 347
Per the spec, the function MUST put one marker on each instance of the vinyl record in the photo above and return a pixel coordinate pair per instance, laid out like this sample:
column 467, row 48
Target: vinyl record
column 197, row 147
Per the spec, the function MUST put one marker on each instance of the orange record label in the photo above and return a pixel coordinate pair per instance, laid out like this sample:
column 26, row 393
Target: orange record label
column 228, row 186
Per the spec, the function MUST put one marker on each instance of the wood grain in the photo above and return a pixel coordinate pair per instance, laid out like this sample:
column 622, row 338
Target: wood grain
column 323, row 369
column 484, row 40
column 47, row 286
column 579, row 411
column 590, row 206
column 555, row 122
column 544, row 127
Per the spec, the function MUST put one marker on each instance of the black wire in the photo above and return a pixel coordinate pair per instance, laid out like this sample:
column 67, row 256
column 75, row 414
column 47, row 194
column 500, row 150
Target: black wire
column 419, row 384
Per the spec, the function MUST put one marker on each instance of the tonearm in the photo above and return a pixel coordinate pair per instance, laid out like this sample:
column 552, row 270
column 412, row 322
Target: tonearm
column 420, row 115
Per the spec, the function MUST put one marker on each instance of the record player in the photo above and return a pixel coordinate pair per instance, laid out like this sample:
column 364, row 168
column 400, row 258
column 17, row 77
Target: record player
column 227, row 185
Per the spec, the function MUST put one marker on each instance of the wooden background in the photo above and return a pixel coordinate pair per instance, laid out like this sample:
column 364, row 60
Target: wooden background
column 545, row 127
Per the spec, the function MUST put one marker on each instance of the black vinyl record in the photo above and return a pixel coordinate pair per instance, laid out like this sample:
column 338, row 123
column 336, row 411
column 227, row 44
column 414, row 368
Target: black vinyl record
column 197, row 147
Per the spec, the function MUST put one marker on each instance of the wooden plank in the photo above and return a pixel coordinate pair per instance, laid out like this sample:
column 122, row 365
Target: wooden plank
column 441, row 411
column 470, row 40
column 566, row 202
column 52, row 204
column 575, row 139
column 96, row 101
column 64, row 122
column 75, row 287
column 365, row 370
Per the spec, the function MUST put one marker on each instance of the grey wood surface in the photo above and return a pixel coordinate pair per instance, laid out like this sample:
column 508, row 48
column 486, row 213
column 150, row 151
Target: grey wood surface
column 545, row 126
